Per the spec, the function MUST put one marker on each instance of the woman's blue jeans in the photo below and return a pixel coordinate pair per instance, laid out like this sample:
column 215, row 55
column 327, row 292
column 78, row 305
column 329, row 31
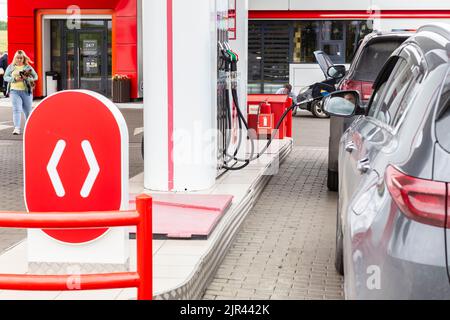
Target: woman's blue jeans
column 22, row 102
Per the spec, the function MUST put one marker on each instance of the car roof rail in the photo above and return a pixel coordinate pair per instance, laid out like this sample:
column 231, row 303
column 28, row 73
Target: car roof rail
column 440, row 28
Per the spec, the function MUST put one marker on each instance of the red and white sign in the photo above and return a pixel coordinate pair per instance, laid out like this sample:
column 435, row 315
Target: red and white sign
column 76, row 159
column 266, row 123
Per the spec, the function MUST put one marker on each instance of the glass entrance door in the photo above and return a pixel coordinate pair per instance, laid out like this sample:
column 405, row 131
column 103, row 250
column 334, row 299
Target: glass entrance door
column 83, row 56
column 91, row 62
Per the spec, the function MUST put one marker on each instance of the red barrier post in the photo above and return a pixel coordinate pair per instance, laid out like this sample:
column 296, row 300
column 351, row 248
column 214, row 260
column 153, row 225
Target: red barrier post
column 142, row 219
column 144, row 241
column 289, row 119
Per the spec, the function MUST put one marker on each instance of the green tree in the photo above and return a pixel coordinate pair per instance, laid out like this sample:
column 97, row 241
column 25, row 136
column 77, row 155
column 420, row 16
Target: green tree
column 3, row 25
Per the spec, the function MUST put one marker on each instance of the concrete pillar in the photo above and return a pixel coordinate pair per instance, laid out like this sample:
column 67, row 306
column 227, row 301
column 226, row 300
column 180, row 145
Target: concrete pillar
column 180, row 85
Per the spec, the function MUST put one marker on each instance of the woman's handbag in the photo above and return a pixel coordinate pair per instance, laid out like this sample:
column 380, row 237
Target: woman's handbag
column 29, row 82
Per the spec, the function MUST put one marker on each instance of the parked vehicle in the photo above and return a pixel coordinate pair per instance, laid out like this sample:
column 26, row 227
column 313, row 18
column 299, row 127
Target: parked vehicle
column 392, row 236
column 310, row 98
column 372, row 53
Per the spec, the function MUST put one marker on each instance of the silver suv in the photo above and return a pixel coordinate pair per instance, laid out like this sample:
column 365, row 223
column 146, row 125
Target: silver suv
column 392, row 236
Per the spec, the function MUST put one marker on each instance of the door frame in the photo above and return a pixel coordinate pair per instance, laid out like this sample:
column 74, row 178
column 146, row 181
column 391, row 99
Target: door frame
column 77, row 63
column 43, row 37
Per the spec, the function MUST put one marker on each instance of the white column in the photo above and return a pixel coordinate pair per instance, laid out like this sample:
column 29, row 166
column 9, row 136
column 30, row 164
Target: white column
column 154, row 25
column 180, row 85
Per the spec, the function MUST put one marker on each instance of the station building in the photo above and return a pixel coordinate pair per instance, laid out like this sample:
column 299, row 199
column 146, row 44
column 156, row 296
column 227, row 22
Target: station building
column 282, row 36
column 86, row 42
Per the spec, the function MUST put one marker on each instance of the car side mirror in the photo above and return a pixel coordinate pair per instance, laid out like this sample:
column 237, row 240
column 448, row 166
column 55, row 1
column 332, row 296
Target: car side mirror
column 342, row 103
column 336, row 72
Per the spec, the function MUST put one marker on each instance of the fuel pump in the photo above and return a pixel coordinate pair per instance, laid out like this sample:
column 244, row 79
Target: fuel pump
column 230, row 119
column 230, row 61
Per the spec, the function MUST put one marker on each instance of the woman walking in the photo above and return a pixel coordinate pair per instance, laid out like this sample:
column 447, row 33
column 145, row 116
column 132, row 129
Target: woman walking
column 20, row 77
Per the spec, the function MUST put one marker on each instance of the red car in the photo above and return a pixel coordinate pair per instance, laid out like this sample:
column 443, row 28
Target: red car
column 372, row 53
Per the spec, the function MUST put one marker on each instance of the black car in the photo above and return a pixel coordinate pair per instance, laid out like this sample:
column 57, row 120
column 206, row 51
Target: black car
column 310, row 98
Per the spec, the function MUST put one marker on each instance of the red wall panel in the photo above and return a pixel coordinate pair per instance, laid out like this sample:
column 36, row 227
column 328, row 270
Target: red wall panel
column 127, row 8
column 23, row 30
column 126, row 31
column 27, row 8
column 127, row 62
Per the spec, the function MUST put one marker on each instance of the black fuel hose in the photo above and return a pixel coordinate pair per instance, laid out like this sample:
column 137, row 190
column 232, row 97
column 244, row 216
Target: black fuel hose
column 229, row 129
column 241, row 119
column 250, row 136
column 238, row 146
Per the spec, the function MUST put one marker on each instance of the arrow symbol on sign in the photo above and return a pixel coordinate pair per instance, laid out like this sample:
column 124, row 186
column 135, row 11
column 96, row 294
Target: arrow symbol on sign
column 51, row 168
column 94, row 169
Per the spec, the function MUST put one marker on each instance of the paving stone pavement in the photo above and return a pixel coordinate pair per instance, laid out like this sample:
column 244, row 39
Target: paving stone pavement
column 11, row 188
column 285, row 248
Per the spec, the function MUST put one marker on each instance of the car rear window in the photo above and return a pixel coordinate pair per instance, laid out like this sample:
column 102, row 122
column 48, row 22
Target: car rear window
column 373, row 58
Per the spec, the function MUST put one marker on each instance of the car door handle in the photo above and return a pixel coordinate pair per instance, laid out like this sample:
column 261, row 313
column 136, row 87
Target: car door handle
column 363, row 165
column 350, row 147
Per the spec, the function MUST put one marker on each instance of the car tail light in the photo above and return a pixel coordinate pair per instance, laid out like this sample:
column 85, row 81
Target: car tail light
column 421, row 200
column 367, row 90
column 363, row 87
column 350, row 85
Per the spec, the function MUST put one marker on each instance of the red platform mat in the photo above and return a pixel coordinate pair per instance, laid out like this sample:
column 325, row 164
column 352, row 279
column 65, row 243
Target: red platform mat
column 186, row 216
